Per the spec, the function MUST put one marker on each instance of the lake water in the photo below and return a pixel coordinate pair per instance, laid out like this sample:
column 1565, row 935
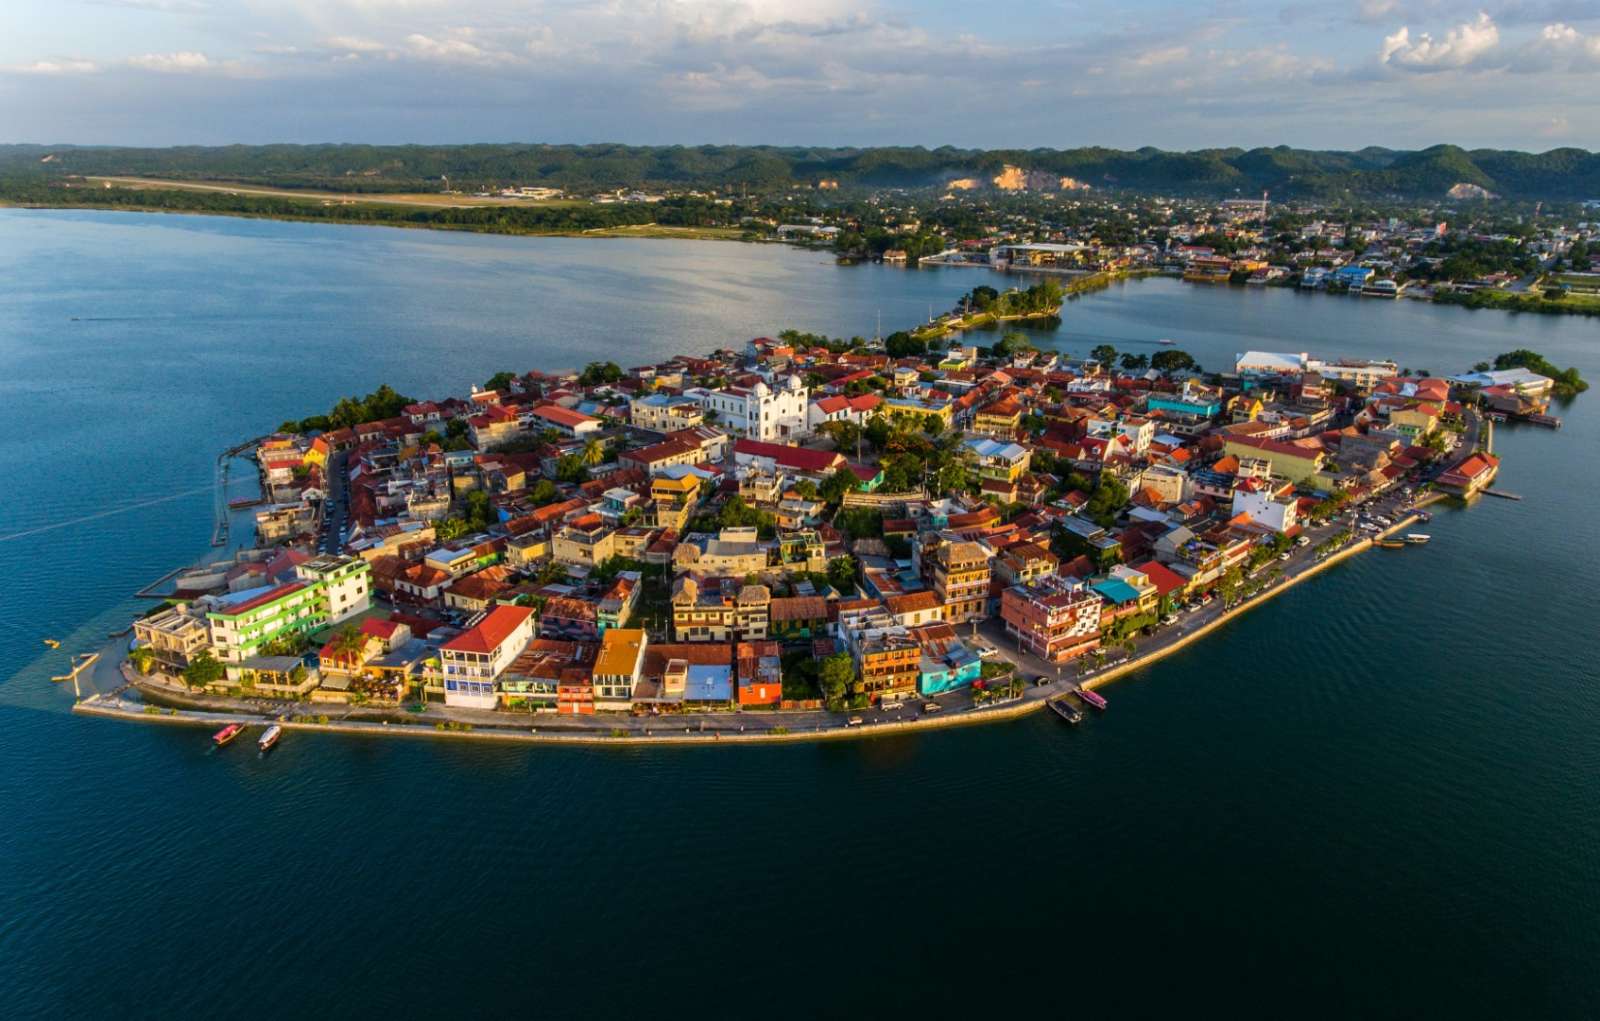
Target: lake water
column 1378, row 795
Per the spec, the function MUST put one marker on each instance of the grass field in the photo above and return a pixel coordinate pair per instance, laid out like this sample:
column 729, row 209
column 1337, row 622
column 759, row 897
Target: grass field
column 1578, row 281
column 656, row 230
column 417, row 200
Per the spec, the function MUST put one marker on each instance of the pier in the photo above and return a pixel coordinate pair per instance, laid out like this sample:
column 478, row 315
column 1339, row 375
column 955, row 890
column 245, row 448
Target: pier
column 1502, row 494
column 81, row 662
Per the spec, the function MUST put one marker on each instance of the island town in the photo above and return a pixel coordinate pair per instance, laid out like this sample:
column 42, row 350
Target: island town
column 798, row 536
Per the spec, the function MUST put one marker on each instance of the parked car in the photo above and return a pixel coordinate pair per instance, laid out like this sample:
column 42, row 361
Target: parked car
column 931, row 707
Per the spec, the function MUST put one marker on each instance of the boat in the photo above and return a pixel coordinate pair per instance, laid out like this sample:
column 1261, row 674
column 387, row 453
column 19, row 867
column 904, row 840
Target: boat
column 52, row 643
column 227, row 734
column 1168, row 341
column 1417, row 538
column 270, row 738
column 1091, row 699
column 1389, row 544
column 1072, row 714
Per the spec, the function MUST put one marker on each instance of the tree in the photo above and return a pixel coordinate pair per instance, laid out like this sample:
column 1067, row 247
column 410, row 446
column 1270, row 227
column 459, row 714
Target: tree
column 982, row 296
column 837, row 676
column 901, row 344
column 842, row 573
column 570, row 469
column 202, row 670
column 933, row 425
column 1013, row 343
column 500, row 381
column 142, row 658
column 805, row 489
column 1173, row 360
column 878, row 431
column 1135, row 363
column 593, row 452
column 844, row 434
column 861, row 522
column 1105, row 354
column 596, row 373
column 349, row 643
column 835, row 486
column 1109, row 497
column 542, row 492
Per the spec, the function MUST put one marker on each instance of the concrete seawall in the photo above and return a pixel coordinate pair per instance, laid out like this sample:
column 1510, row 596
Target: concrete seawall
column 1032, row 701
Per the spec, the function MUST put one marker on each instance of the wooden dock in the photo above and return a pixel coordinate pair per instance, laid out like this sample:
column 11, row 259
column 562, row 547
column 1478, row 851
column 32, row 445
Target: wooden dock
column 81, row 662
column 1502, row 494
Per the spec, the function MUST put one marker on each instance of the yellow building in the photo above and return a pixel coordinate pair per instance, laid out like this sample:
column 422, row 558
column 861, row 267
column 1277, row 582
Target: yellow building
column 917, row 411
column 617, row 667
column 586, row 540
column 675, row 499
column 1001, row 418
column 712, row 612
column 961, row 580
column 1289, row 460
column 1418, row 422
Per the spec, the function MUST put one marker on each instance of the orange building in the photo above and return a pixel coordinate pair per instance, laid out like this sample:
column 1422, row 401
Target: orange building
column 1052, row 619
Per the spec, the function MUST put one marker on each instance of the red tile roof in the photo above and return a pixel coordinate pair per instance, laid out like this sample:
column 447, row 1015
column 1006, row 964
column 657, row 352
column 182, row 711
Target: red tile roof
column 798, row 458
column 561, row 416
column 490, row 632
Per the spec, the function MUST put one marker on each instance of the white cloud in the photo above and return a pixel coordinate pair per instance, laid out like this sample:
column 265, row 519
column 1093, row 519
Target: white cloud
column 183, row 62
column 56, row 67
column 1462, row 46
column 160, row 6
column 353, row 44
column 457, row 49
column 1560, row 46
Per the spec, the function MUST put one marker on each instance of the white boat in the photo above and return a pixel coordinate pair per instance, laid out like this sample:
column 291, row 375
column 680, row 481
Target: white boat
column 270, row 738
column 1168, row 341
column 1417, row 537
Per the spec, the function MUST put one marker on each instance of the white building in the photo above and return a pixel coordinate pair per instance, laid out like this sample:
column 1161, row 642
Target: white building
column 1359, row 372
column 473, row 659
column 1269, row 506
column 1269, row 363
column 761, row 412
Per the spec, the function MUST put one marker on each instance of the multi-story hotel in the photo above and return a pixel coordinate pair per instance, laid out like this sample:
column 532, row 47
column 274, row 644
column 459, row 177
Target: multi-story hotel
column 325, row 591
column 959, row 573
column 472, row 660
column 1052, row 619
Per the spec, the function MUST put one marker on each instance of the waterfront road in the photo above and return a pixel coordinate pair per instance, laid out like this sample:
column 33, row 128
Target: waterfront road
column 957, row 706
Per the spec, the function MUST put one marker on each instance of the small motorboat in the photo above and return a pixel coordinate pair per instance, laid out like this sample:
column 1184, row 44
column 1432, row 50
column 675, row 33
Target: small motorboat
column 1064, row 709
column 1417, row 538
column 1091, row 699
column 270, row 738
column 227, row 734
column 1167, row 341
column 52, row 643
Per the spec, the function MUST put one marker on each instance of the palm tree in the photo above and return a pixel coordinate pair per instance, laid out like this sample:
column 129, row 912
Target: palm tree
column 141, row 658
column 349, row 643
column 593, row 452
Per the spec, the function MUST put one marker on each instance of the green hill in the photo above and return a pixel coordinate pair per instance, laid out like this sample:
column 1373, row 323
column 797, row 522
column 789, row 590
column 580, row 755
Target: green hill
column 1283, row 171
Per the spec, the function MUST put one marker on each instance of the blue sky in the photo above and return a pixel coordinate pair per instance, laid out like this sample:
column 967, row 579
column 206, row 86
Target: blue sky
column 1521, row 74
